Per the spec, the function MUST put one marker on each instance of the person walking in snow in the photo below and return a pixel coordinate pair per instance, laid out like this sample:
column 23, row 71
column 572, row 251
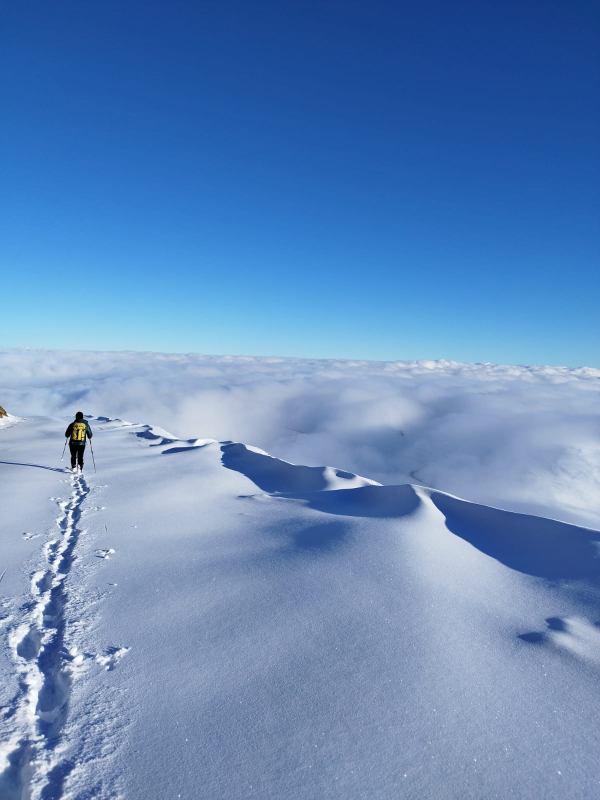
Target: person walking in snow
column 76, row 433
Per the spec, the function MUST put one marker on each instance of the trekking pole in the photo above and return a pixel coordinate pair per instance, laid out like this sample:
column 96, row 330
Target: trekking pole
column 64, row 448
column 93, row 459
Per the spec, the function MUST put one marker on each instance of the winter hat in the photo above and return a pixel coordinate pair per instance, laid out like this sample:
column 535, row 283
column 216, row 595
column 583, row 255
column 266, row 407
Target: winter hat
column 79, row 415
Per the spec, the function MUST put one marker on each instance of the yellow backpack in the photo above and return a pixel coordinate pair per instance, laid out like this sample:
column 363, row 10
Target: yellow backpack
column 78, row 434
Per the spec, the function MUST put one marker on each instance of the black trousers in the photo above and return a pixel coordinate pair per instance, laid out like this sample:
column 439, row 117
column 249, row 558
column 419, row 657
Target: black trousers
column 76, row 453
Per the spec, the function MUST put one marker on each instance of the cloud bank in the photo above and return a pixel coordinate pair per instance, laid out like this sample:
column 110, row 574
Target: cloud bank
column 521, row 438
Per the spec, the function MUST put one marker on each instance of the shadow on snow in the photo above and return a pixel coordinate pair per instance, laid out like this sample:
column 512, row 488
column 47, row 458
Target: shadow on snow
column 38, row 466
column 531, row 545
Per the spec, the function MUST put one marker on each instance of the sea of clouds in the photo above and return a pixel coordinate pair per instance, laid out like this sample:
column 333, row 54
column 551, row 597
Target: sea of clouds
column 522, row 438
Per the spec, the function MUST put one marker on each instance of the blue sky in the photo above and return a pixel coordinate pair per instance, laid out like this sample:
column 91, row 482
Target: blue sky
column 382, row 180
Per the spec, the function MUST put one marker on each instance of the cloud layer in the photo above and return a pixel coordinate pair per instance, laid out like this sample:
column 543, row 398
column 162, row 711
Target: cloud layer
column 522, row 438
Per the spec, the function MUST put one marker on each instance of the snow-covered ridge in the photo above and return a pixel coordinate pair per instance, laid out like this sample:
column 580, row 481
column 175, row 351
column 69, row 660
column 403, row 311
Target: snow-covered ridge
column 538, row 546
column 202, row 613
column 9, row 420
column 159, row 437
column 526, row 438
column 272, row 474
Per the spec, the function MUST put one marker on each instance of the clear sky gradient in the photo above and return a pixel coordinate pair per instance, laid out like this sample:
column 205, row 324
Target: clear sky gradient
column 319, row 178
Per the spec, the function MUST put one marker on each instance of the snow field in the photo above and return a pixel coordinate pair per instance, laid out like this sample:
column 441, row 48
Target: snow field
column 234, row 626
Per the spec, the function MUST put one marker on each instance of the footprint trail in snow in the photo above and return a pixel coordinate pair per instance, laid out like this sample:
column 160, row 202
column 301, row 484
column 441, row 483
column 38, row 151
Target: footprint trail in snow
column 47, row 663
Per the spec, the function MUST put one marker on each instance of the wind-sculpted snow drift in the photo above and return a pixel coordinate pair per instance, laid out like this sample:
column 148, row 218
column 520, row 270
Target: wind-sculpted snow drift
column 526, row 438
column 203, row 619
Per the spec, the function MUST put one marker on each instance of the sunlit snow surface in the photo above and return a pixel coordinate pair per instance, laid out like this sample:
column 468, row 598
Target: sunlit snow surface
column 201, row 619
column 523, row 438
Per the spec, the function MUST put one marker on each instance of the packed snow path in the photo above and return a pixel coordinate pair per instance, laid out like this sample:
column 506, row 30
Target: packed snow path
column 202, row 620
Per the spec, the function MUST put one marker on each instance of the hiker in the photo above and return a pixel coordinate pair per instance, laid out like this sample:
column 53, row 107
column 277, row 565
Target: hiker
column 76, row 433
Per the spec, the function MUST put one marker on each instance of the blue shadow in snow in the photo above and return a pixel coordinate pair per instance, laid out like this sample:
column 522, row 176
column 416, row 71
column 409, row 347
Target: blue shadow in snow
column 535, row 546
column 37, row 466
column 325, row 536
column 178, row 450
column 183, row 448
column 148, row 435
column 538, row 637
column 308, row 483
column 270, row 474
column 55, row 780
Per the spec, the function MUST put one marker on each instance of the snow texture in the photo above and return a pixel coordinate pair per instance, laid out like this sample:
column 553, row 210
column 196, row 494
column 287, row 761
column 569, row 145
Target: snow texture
column 201, row 619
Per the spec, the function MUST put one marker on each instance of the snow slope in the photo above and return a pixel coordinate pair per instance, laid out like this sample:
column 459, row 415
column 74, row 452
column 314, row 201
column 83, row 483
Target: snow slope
column 202, row 620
